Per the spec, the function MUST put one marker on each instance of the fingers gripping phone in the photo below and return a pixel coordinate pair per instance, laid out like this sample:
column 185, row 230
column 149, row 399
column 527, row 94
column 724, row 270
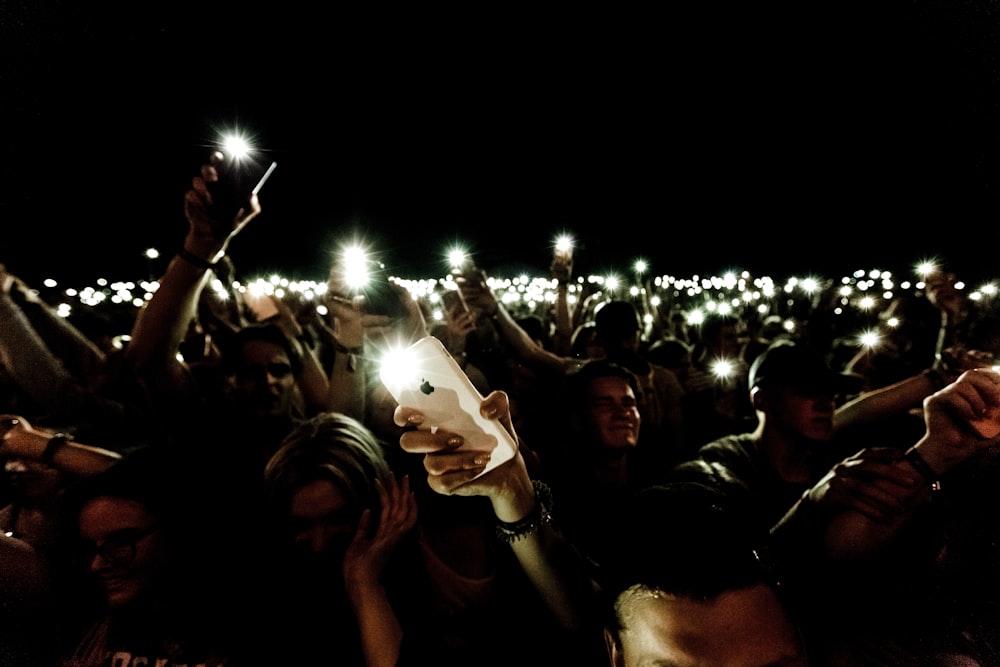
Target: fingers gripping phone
column 426, row 377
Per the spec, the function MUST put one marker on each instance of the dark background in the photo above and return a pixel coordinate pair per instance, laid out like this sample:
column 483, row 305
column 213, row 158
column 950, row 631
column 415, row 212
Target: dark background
column 798, row 137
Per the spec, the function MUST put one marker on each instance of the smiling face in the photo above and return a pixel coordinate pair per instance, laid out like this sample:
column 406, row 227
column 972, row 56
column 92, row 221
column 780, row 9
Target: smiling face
column 122, row 547
column 613, row 410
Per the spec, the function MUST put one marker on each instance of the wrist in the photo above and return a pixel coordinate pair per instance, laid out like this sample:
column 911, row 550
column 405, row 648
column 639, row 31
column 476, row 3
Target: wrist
column 514, row 502
column 201, row 260
column 926, row 460
column 538, row 516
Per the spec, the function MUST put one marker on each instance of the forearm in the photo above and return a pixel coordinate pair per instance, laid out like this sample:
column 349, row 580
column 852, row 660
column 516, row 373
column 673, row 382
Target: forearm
column 30, row 363
column 524, row 347
column 348, row 380
column 563, row 320
column 884, row 402
column 525, row 523
column 379, row 629
column 164, row 320
column 312, row 380
column 72, row 457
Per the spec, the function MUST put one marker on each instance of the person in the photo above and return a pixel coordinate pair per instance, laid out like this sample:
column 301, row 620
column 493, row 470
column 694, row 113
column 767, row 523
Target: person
column 458, row 324
column 154, row 586
column 596, row 455
column 350, row 584
column 907, row 579
column 692, row 584
column 793, row 393
column 661, row 395
column 715, row 402
column 39, row 465
column 541, row 578
column 56, row 374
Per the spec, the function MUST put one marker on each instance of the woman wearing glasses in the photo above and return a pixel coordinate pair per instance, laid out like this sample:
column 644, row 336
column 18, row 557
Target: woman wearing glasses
column 141, row 535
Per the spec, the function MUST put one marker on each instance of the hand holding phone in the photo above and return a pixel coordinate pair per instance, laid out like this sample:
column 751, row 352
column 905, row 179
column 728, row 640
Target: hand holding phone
column 237, row 183
column 426, row 377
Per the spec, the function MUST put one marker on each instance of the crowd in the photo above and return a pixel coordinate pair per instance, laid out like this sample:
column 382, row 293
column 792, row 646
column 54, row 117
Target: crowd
column 717, row 472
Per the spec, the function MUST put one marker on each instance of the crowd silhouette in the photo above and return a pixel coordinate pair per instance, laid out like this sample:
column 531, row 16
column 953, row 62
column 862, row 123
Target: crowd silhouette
column 227, row 481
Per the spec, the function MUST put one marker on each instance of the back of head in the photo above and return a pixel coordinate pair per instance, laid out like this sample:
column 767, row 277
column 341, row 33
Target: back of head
column 689, row 540
column 616, row 321
column 673, row 353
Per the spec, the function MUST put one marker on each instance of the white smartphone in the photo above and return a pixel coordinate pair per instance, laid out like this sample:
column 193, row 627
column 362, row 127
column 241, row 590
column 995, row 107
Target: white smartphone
column 426, row 377
column 263, row 179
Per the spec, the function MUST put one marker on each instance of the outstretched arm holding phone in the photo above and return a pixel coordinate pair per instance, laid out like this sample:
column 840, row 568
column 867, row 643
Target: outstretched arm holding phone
column 161, row 326
column 522, row 506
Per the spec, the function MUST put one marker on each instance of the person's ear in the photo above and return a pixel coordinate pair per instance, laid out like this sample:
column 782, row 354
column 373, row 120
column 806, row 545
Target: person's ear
column 614, row 646
column 758, row 399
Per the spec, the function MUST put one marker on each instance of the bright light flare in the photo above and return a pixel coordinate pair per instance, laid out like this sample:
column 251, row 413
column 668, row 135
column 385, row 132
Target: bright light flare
column 564, row 244
column 869, row 339
column 398, row 366
column 457, row 257
column 723, row 368
column 236, row 146
column 354, row 261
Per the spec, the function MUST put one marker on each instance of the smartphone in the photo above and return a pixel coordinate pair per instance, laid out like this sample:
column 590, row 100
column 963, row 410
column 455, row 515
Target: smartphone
column 426, row 377
column 238, row 181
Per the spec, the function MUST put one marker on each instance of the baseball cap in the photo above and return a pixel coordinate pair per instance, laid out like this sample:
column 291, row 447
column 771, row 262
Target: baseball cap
column 797, row 367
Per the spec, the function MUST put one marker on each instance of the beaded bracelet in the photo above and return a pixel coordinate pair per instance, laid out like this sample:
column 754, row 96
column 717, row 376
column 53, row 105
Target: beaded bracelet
column 536, row 518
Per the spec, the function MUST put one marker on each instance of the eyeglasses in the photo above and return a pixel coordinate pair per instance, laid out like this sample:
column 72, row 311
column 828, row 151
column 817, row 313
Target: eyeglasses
column 275, row 369
column 117, row 548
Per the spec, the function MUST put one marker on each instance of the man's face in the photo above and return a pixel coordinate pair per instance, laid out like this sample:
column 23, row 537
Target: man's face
column 807, row 415
column 747, row 627
column 265, row 384
column 614, row 412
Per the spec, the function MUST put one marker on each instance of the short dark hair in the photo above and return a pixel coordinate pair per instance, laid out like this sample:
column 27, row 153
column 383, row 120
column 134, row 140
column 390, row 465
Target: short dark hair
column 688, row 539
column 616, row 320
column 578, row 383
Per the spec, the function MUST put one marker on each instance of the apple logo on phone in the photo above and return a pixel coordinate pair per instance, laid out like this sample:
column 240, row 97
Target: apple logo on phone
column 442, row 408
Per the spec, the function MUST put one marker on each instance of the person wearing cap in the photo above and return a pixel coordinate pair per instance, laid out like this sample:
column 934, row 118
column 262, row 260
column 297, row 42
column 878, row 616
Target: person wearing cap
column 794, row 395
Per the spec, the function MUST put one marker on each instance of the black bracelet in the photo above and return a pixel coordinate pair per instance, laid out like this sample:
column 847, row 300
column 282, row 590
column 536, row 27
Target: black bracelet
column 920, row 464
column 55, row 443
column 195, row 260
column 536, row 518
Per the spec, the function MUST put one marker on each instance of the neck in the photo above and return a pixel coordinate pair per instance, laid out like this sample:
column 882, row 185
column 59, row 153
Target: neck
column 788, row 457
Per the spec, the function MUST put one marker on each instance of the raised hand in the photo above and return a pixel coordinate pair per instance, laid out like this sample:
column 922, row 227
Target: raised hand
column 368, row 552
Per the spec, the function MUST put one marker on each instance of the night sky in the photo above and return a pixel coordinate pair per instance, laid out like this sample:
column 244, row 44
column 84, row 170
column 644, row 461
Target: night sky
column 783, row 139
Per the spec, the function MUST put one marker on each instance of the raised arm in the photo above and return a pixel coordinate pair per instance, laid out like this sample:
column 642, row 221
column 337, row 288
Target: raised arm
column 522, row 506
column 477, row 292
column 949, row 440
column 164, row 320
